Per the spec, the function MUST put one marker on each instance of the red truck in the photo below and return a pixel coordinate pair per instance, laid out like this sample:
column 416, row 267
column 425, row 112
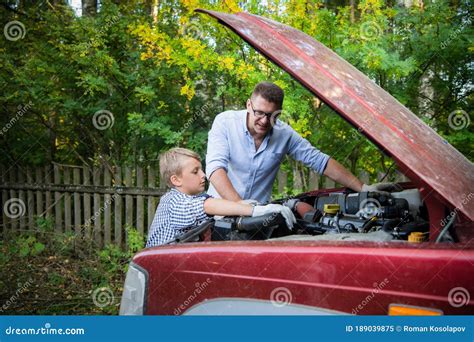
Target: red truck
column 409, row 252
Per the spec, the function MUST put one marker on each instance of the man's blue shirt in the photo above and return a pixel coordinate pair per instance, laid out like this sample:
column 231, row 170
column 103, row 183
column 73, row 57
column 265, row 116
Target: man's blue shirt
column 252, row 173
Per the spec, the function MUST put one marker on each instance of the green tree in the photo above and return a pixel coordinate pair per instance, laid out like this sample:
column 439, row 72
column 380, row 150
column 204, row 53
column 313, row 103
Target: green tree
column 125, row 82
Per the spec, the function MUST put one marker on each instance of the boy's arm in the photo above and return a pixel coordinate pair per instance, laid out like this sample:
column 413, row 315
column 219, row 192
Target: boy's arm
column 222, row 207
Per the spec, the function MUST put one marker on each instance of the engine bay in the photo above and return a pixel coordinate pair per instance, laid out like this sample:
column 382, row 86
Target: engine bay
column 354, row 216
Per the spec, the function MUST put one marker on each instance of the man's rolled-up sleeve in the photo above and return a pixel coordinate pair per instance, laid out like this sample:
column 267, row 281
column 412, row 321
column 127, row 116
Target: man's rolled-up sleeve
column 302, row 150
column 218, row 154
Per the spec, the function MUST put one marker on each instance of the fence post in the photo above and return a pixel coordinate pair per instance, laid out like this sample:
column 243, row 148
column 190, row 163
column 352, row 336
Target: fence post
column 297, row 179
column 39, row 194
column 13, row 222
column 151, row 199
column 97, row 215
column 107, row 208
column 58, row 201
column 128, row 198
column 77, row 201
column 118, row 208
column 67, row 201
column 313, row 180
column 87, row 204
column 282, row 180
column 21, row 195
column 31, row 201
column 140, row 206
column 4, row 200
column 48, row 198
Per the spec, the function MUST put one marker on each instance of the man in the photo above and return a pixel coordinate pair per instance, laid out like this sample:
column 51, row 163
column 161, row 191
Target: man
column 245, row 149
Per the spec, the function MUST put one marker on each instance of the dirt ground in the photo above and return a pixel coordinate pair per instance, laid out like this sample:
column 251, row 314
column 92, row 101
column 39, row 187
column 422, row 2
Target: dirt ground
column 59, row 281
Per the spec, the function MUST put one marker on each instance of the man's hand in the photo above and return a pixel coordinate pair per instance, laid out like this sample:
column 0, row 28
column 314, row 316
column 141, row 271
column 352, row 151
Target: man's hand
column 261, row 210
column 291, row 203
column 381, row 187
column 341, row 175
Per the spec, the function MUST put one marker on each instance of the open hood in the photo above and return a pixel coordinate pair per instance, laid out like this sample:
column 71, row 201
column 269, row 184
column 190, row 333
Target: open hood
column 428, row 160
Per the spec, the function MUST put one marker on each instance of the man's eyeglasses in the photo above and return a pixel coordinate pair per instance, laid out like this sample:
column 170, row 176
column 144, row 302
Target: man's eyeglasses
column 260, row 114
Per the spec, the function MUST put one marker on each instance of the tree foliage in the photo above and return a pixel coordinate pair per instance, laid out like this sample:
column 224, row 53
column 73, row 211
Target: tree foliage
column 152, row 75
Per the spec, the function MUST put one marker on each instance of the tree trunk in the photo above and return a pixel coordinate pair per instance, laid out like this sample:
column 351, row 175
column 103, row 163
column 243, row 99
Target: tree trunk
column 352, row 11
column 427, row 94
column 52, row 137
column 154, row 11
column 89, row 7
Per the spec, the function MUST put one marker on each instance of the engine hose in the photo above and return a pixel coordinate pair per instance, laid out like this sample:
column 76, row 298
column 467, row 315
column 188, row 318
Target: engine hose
column 272, row 220
column 303, row 208
column 369, row 224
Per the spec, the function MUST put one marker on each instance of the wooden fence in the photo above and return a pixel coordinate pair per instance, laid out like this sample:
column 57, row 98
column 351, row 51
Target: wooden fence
column 97, row 203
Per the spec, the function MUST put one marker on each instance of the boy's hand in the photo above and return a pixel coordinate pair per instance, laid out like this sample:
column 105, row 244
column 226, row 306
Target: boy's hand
column 260, row 210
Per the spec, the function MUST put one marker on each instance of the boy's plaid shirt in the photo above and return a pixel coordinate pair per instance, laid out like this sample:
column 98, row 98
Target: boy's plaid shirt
column 176, row 214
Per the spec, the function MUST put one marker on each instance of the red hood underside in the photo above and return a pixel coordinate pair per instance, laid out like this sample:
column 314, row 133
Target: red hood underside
column 426, row 158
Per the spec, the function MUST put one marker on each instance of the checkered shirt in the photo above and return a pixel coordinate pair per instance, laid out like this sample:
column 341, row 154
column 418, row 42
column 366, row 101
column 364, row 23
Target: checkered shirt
column 176, row 214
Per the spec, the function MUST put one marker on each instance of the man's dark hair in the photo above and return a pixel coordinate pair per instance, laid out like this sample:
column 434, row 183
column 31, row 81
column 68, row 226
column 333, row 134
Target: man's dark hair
column 270, row 92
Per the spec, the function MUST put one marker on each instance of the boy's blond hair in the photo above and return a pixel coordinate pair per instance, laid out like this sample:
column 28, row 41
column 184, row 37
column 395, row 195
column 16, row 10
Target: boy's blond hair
column 171, row 162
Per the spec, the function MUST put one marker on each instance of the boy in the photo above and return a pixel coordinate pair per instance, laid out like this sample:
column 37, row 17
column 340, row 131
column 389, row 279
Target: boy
column 186, row 205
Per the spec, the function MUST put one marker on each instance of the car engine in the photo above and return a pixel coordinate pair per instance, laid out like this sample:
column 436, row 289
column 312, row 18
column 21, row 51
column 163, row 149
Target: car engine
column 387, row 216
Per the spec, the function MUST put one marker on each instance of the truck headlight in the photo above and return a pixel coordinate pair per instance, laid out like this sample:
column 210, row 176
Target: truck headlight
column 134, row 291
